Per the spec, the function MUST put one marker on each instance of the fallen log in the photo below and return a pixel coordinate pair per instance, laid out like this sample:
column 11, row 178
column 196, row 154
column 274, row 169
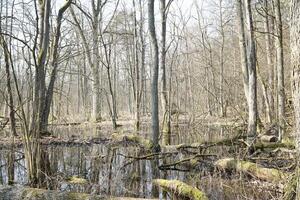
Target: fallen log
column 289, row 144
column 180, row 190
column 133, row 138
column 21, row 193
column 253, row 169
column 268, row 138
column 205, row 144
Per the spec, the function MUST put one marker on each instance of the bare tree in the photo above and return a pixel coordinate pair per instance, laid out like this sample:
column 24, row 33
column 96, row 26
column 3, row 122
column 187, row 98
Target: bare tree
column 54, row 63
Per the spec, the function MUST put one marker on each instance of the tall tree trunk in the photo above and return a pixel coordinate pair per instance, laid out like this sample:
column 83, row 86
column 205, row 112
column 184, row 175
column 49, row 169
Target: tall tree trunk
column 154, row 91
column 164, row 92
column 243, row 49
column 45, row 7
column 154, row 84
column 295, row 62
column 96, row 106
column 270, row 88
column 280, row 70
column 222, row 105
column 251, row 60
column 137, row 71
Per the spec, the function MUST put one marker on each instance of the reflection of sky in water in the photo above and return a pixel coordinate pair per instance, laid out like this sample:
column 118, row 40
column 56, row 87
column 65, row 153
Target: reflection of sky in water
column 87, row 162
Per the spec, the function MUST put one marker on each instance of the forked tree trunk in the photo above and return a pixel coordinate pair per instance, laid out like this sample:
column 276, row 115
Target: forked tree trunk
column 49, row 92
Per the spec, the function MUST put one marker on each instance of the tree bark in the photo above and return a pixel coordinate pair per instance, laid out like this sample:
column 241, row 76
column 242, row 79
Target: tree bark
column 166, row 139
column 280, row 71
column 243, row 49
column 251, row 60
column 154, row 92
column 295, row 62
column 221, row 62
column 154, row 84
column 270, row 91
column 40, row 90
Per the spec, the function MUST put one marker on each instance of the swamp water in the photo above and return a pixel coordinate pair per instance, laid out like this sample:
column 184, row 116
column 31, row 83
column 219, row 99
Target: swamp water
column 111, row 171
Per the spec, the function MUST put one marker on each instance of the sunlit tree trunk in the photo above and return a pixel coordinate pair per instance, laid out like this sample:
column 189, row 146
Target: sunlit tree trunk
column 280, row 70
column 251, row 60
column 164, row 92
column 137, row 71
column 295, row 62
column 96, row 106
column 242, row 43
column 221, row 62
column 270, row 91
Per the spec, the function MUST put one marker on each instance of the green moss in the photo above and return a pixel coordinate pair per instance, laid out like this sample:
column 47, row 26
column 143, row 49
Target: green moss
column 147, row 144
column 77, row 196
column 30, row 193
column 25, row 193
column 77, row 180
column 286, row 143
column 251, row 168
column 180, row 189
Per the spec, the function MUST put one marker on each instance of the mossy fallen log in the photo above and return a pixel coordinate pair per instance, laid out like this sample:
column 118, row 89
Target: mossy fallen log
column 180, row 190
column 253, row 169
column 142, row 142
column 238, row 139
column 26, row 193
column 268, row 138
column 286, row 143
